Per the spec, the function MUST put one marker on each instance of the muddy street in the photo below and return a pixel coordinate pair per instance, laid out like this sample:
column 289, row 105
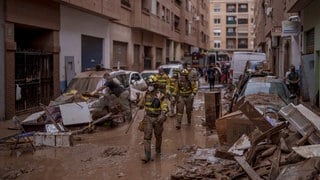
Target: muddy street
column 112, row 154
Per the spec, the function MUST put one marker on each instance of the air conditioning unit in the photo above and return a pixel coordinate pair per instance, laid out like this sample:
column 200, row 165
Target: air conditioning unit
column 269, row 11
column 196, row 18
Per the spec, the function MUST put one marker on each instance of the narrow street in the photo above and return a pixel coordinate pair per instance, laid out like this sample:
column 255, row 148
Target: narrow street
column 112, row 154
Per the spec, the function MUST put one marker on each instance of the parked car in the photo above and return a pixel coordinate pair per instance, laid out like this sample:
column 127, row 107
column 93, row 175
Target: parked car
column 170, row 68
column 146, row 73
column 88, row 81
column 263, row 92
column 133, row 81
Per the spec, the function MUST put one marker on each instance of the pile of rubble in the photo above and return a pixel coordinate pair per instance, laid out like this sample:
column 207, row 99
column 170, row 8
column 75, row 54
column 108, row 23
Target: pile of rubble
column 289, row 149
column 71, row 113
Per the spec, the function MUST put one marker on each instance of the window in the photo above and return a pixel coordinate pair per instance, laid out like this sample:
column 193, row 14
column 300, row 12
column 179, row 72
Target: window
column 242, row 21
column 231, row 19
column 217, row 44
column 158, row 56
column 231, row 43
column 242, row 43
column 176, row 23
column 126, row 3
column 163, row 13
column 231, row 31
column 216, row 9
column 168, row 16
column 178, row 2
column 216, row 21
column 145, row 6
column 231, row 7
column 243, row 7
column 217, row 32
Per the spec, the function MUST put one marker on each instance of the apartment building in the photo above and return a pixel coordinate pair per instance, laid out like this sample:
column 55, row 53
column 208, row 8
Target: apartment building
column 231, row 25
column 308, row 11
column 46, row 42
column 287, row 32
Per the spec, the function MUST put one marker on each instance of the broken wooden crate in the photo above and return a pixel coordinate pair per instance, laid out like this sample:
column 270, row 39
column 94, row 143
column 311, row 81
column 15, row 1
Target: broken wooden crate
column 57, row 139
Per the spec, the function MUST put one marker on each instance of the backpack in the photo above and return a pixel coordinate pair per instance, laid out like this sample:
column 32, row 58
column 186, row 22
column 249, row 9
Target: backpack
column 211, row 73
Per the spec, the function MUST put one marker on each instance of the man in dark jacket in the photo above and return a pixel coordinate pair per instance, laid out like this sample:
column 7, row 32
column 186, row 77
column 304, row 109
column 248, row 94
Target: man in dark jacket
column 211, row 73
column 120, row 92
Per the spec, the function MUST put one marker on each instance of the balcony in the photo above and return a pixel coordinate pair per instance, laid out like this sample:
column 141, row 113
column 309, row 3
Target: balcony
column 231, row 33
column 232, row 22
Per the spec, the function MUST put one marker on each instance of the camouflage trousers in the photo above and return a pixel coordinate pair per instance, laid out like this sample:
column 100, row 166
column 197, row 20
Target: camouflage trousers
column 152, row 125
column 184, row 101
column 125, row 105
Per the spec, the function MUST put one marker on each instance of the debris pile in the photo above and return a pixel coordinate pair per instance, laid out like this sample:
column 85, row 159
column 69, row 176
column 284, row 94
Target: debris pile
column 284, row 150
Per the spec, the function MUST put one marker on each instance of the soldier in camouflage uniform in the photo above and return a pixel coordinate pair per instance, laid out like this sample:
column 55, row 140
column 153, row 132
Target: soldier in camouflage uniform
column 185, row 90
column 155, row 115
column 171, row 92
column 162, row 80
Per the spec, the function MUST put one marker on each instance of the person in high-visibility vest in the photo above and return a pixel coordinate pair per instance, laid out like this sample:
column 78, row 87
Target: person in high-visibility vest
column 155, row 115
column 172, row 93
column 186, row 89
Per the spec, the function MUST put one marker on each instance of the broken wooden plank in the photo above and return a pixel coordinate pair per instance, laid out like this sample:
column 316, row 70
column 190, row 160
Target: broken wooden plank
column 274, row 172
column 92, row 124
column 224, row 155
column 255, row 117
column 246, row 167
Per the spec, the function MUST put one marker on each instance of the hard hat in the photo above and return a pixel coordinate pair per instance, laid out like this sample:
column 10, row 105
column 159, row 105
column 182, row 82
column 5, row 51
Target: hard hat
column 152, row 79
column 184, row 72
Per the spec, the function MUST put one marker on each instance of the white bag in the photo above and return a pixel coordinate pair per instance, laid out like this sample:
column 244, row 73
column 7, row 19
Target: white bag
column 18, row 92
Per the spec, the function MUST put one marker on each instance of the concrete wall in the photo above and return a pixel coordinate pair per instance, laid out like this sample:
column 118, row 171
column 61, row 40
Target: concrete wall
column 2, row 96
column 75, row 23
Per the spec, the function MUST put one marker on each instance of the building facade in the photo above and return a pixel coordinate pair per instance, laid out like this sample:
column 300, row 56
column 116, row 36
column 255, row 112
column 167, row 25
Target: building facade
column 288, row 33
column 308, row 11
column 231, row 25
column 43, row 51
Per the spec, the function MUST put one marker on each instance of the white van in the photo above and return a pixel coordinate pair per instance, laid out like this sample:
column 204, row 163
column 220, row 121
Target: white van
column 239, row 60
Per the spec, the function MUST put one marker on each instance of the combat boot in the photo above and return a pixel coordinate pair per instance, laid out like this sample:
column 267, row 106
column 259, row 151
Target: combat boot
column 147, row 157
column 189, row 119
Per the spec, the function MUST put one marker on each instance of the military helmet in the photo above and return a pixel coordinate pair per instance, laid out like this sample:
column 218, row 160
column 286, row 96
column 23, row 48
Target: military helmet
column 184, row 72
column 152, row 79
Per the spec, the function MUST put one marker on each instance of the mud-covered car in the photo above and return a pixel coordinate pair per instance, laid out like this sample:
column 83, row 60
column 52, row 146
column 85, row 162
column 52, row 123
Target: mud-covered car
column 265, row 93
column 79, row 95
column 146, row 73
column 256, row 105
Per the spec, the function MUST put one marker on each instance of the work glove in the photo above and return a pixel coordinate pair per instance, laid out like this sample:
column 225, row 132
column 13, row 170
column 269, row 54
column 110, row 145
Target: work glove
column 163, row 117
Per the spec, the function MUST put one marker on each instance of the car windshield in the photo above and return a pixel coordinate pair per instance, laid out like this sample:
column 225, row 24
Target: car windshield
column 83, row 85
column 146, row 75
column 266, row 87
column 166, row 70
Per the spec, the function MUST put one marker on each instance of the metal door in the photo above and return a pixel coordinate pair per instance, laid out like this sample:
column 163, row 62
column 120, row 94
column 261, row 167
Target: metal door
column 91, row 52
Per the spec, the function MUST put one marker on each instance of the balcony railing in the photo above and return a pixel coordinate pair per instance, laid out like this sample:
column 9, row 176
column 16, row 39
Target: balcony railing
column 231, row 34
